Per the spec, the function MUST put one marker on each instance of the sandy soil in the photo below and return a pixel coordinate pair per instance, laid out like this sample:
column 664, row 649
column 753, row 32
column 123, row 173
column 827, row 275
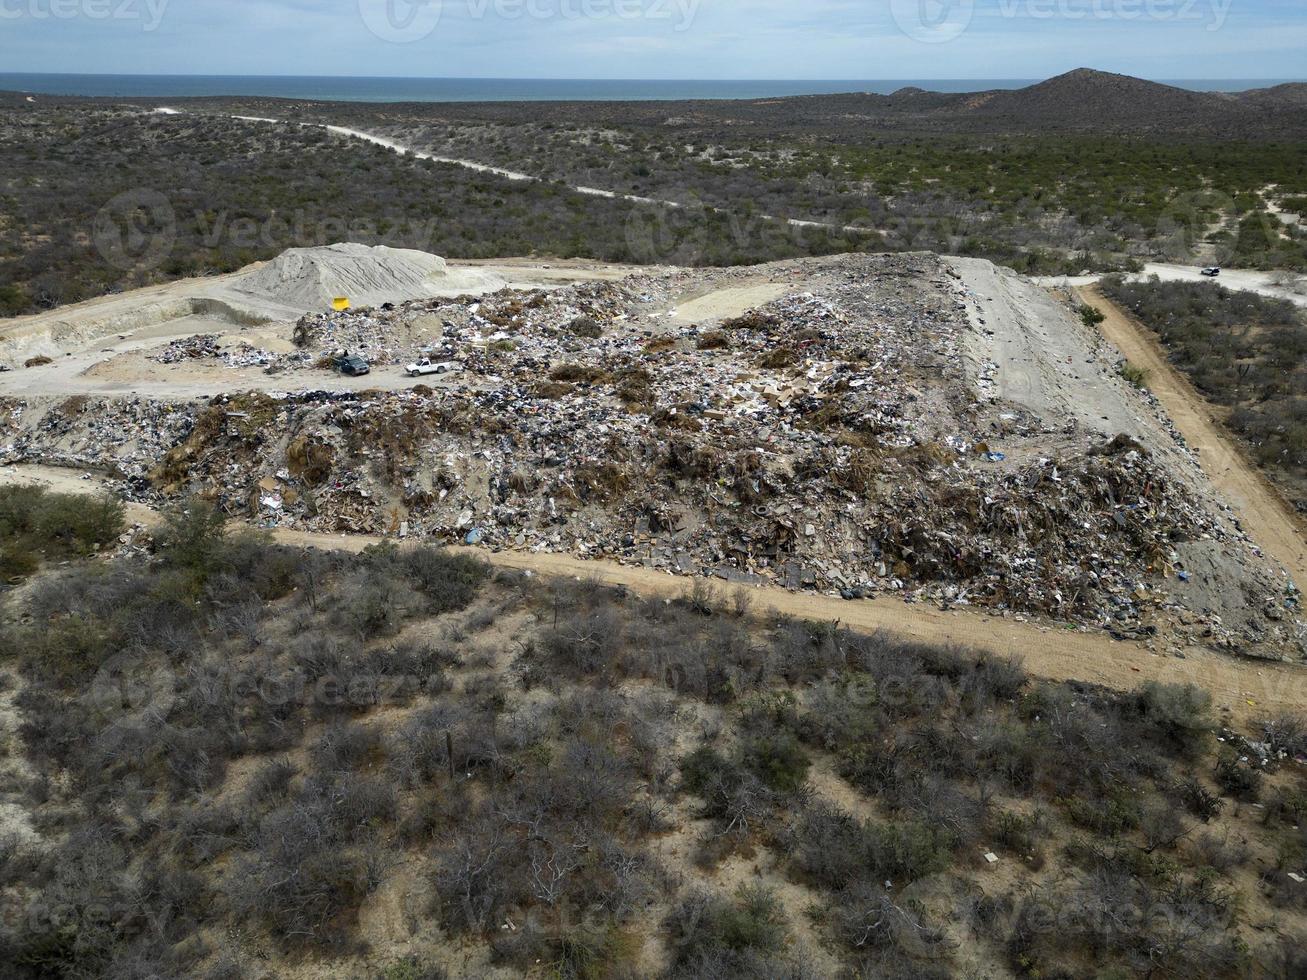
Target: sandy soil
column 722, row 304
column 1047, row 360
column 1263, row 512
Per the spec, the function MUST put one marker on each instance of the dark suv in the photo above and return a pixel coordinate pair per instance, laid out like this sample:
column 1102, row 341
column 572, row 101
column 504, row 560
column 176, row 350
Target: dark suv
column 353, row 365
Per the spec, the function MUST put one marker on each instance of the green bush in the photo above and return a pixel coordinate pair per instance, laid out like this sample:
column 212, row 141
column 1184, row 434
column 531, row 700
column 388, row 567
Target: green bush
column 777, row 760
column 35, row 522
column 1109, row 817
column 710, row 929
column 193, row 536
column 1181, row 712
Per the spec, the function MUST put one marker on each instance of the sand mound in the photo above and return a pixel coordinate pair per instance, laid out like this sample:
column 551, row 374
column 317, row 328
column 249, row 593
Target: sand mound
column 309, row 278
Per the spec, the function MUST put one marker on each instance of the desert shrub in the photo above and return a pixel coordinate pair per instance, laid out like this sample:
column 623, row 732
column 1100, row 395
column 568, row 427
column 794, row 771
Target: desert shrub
column 592, row 950
column 65, row 652
column 1162, row 826
column 1182, row 934
column 19, row 506
column 835, row 850
column 732, row 795
column 840, row 711
column 1018, row 832
column 585, row 643
column 777, row 760
column 1197, row 799
column 586, row 326
column 412, row 968
column 869, row 921
column 710, row 934
column 1287, row 733
column 314, row 861
column 1181, row 712
column 347, row 746
column 192, row 536
column 1110, row 816
column 77, row 523
column 18, row 560
column 478, row 874
column 34, row 522
column 1237, row 778
column 1134, row 375
column 372, row 601
column 586, row 374
column 1221, row 852
column 448, row 582
column 268, row 570
column 271, row 782
column 1288, row 805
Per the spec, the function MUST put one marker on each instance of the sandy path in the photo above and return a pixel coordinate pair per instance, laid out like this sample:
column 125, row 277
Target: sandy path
column 722, row 304
column 1262, row 511
column 1251, row 689
column 1045, row 356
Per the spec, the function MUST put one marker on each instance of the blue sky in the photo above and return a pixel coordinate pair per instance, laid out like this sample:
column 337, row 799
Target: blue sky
column 659, row 38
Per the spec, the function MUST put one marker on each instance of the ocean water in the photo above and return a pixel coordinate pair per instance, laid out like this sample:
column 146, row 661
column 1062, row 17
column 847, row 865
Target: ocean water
column 361, row 89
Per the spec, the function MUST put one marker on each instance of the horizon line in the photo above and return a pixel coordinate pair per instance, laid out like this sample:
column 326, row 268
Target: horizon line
column 564, row 78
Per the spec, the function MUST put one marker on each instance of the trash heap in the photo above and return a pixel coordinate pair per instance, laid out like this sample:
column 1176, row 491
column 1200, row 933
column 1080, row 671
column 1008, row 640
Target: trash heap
column 830, row 439
column 208, row 346
column 124, row 438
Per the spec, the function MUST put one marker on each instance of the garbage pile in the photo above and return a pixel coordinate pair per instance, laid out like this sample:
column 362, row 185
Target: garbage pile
column 829, row 439
column 204, row 346
column 397, row 334
column 124, row 438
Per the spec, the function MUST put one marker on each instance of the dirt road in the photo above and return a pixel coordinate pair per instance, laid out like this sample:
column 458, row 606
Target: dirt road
column 1247, row 280
column 1262, row 511
column 1043, row 356
column 1250, row 689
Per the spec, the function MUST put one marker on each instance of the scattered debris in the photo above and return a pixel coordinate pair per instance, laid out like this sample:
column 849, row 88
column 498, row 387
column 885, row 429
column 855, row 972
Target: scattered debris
column 836, row 439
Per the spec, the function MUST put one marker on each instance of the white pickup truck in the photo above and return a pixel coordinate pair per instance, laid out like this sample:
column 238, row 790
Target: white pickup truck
column 426, row 365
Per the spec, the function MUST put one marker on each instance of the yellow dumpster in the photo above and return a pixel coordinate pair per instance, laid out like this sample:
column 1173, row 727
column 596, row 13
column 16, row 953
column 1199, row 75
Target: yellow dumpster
column 340, row 304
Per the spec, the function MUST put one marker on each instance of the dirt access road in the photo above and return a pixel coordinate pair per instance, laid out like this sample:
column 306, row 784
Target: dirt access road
column 1246, row 280
column 1262, row 511
column 1251, row 690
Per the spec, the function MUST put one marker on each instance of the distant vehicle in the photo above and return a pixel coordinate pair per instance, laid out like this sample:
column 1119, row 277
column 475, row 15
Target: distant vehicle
column 352, row 364
column 1212, row 271
column 340, row 304
column 426, row 365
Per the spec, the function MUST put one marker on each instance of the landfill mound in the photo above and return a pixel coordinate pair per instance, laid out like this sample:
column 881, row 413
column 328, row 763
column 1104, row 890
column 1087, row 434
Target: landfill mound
column 837, row 437
column 310, row 278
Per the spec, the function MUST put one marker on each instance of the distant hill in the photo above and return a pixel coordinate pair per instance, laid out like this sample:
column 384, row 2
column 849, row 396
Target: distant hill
column 1080, row 101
